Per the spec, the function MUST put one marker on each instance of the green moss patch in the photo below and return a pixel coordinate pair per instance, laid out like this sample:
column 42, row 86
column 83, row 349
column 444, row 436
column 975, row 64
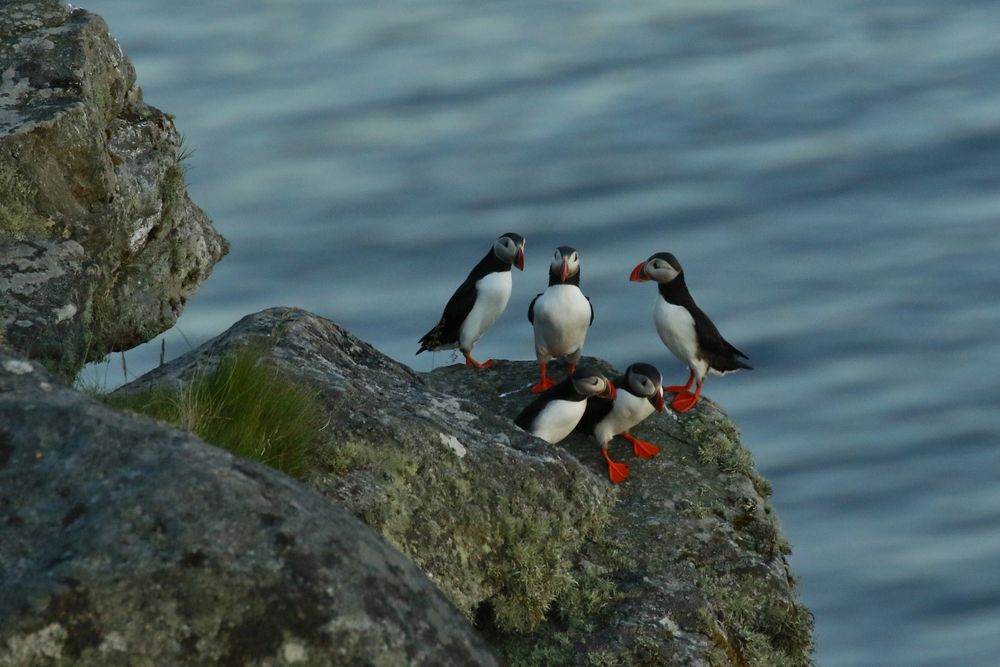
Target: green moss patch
column 243, row 406
column 753, row 629
column 18, row 219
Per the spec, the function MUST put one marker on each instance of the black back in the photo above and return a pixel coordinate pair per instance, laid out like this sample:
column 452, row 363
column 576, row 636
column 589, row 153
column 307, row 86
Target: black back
column 564, row 391
column 716, row 350
column 598, row 408
column 445, row 332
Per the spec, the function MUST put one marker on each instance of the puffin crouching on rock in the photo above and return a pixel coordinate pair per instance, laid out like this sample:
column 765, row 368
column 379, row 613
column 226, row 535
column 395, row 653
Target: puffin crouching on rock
column 478, row 302
column 685, row 329
column 561, row 315
column 553, row 415
column 639, row 393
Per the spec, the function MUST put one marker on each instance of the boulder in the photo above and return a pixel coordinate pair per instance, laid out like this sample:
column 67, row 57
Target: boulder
column 489, row 513
column 85, row 163
column 684, row 564
column 125, row 542
column 690, row 568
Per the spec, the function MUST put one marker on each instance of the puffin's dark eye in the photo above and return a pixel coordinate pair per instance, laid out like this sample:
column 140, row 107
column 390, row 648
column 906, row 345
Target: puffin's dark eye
column 575, row 257
column 658, row 264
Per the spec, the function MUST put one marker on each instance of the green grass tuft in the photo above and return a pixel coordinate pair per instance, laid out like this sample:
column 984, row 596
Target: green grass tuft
column 243, row 406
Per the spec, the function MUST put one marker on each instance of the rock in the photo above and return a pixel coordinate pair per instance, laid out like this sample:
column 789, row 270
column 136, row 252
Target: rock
column 683, row 564
column 492, row 515
column 125, row 542
column 84, row 159
column 691, row 567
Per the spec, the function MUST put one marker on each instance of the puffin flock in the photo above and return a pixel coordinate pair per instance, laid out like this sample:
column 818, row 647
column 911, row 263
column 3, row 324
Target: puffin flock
column 561, row 316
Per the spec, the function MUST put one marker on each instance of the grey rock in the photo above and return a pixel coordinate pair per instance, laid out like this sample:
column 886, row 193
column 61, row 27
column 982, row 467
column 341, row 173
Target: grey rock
column 691, row 567
column 684, row 564
column 125, row 542
column 83, row 158
column 494, row 516
column 44, row 290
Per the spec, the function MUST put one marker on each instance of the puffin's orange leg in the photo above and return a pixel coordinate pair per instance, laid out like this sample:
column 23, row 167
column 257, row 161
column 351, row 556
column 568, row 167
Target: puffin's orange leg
column 617, row 472
column 641, row 448
column 676, row 388
column 469, row 361
column 544, row 383
column 685, row 400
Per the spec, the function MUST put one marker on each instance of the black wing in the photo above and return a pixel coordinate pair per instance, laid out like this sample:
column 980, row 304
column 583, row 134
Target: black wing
column 561, row 391
column 718, row 352
column 591, row 309
column 597, row 409
column 445, row 332
column 531, row 309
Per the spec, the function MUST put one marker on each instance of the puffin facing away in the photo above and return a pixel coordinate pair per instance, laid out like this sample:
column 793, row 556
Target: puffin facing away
column 478, row 302
column 553, row 415
column 560, row 315
column 685, row 329
column 639, row 392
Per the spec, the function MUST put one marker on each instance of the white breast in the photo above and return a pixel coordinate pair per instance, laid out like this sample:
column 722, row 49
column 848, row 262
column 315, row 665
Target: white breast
column 562, row 318
column 628, row 411
column 558, row 419
column 676, row 328
column 492, row 294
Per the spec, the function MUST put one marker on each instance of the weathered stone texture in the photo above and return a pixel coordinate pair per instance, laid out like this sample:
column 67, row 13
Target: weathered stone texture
column 83, row 158
column 124, row 542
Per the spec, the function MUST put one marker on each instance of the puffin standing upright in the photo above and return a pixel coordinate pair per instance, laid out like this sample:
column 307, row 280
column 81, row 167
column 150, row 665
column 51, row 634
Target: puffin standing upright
column 553, row 415
column 478, row 302
column 639, row 393
column 560, row 315
column 685, row 329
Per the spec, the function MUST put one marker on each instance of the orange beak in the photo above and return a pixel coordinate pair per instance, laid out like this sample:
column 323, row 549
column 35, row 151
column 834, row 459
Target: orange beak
column 565, row 270
column 610, row 393
column 639, row 274
column 519, row 258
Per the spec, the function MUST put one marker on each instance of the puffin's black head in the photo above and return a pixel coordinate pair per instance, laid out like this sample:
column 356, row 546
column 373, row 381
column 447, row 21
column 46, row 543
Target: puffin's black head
column 591, row 382
column 565, row 266
column 661, row 267
column 644, row 380
column 510, row 248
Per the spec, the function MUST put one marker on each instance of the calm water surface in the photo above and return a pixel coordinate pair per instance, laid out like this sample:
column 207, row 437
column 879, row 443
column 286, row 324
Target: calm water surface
column 826, row 171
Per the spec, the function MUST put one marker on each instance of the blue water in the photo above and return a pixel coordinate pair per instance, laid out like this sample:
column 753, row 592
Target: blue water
column 826, row 171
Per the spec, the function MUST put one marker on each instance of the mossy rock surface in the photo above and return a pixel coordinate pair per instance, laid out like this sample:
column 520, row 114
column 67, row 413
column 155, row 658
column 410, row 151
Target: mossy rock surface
column 492, row 515
column 683, row 564
column 691, row 566
column 84, row 159
column 124, row 542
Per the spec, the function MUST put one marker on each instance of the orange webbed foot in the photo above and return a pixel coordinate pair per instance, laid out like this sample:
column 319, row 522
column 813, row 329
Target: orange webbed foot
column 684, row 401
column 544, row 385
column 641, row 448
column 617, row 472
column 469, row 361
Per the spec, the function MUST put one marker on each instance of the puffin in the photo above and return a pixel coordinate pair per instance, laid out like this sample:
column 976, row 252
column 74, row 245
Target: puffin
column 478, row 302
column 639, row 393
column 561, row 315
column 685, row 329
column 553, row 415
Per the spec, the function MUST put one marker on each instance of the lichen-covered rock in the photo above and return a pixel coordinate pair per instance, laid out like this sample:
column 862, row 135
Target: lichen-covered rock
column 691, row 567
column 495, row 517
column 83, row 158
column 127, row 543
column 42, row 286
column 683, row 564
